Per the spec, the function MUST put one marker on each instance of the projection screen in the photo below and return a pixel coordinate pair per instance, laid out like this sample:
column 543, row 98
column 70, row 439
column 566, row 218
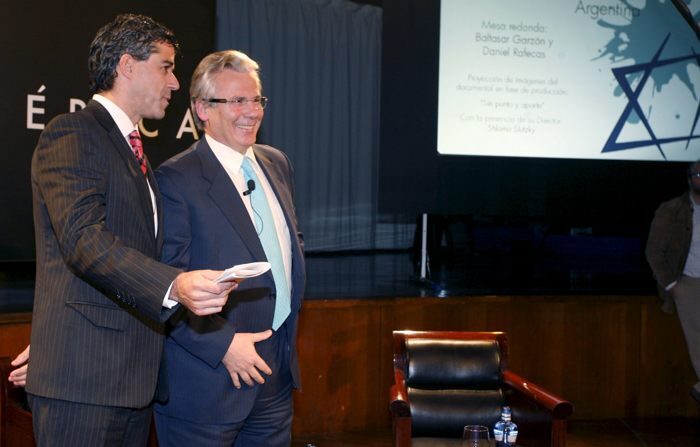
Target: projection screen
column 607, row 80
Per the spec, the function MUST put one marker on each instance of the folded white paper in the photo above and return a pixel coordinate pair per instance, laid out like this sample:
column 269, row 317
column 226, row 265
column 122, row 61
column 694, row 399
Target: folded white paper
column 243, row 271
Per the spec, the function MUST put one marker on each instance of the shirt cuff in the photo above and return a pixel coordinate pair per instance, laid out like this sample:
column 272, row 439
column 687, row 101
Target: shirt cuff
column 167, row 302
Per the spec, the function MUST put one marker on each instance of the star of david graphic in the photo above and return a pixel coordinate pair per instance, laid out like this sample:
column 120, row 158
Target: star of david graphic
column 633, row 104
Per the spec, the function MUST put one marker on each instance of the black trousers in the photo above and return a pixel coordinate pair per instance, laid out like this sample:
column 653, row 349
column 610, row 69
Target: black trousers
column 60, row 423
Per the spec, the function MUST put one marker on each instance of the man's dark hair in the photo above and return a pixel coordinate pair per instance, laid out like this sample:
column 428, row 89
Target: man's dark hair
column 131, row 34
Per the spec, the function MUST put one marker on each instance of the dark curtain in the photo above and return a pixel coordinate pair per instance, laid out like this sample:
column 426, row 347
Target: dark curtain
column 320, row 66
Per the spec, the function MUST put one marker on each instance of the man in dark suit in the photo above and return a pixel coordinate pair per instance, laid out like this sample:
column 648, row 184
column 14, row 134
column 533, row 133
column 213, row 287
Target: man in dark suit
column 101, row 295
column 228, row 201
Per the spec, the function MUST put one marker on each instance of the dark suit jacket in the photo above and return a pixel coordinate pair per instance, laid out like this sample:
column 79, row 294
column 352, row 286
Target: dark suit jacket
column 207, row 226
column 669, row 243
column 97, row 335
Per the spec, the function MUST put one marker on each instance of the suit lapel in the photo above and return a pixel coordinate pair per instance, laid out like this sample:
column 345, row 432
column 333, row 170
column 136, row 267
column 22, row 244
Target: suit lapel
column 278, row 185
column 125, row 152
column 225, row 195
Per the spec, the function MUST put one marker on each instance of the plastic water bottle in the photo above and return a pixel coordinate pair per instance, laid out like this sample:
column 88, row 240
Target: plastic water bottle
column 500, row 426
column 505, row 432
column 510, row 434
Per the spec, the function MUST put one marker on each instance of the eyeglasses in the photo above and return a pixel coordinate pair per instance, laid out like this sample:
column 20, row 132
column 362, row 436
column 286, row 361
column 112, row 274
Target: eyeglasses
column 695, row 175
column 239, row 101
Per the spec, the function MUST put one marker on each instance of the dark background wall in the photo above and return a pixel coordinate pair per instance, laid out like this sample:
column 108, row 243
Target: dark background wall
column 44, row 54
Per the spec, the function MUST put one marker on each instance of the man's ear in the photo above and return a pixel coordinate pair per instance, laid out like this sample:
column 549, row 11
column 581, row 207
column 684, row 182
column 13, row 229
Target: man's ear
column 201, row 110
column 125, row 66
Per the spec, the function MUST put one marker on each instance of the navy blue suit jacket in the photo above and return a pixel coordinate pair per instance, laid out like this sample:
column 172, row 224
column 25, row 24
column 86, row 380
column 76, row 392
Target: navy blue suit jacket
column 206, row 226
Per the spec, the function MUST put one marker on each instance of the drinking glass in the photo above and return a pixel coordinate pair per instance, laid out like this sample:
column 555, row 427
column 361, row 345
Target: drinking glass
column 476, row 436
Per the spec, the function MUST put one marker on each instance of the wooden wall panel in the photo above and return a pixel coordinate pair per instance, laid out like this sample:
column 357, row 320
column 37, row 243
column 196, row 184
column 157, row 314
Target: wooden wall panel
column 339, row 351
column 667, row 373
column 14, row 333
column 598, row 356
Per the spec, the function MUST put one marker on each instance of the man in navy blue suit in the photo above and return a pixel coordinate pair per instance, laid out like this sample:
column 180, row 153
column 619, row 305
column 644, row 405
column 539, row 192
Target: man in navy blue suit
column 228, row 201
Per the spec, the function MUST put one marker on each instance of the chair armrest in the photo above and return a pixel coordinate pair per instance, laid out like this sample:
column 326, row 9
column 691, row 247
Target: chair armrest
column 560, row 408
column 398, row 397
column 400, row 411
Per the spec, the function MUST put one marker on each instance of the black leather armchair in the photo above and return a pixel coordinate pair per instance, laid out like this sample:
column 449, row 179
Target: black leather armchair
column 446, row 380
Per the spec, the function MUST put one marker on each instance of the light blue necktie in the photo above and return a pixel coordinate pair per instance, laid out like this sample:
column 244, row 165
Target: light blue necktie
column 265, row 226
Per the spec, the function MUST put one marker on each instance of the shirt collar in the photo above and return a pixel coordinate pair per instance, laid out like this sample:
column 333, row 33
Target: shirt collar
column 118, row 115
column 229, row 157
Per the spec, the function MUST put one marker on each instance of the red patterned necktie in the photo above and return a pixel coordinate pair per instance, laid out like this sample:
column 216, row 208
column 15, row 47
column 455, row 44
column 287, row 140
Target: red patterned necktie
column 137, row 147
